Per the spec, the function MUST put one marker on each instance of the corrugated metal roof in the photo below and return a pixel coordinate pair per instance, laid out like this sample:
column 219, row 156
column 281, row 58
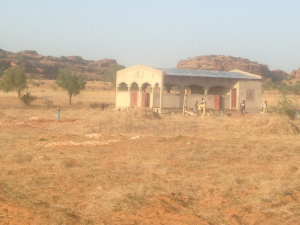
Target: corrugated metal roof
column 205, row 73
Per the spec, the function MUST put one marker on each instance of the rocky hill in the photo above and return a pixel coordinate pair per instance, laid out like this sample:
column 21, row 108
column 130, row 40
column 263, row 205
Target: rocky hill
column 47, row 67
column 296, row 74
column 279, row 74
column 227, row 63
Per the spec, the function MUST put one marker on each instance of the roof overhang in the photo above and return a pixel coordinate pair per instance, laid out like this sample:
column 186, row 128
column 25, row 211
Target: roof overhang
column 235, row 74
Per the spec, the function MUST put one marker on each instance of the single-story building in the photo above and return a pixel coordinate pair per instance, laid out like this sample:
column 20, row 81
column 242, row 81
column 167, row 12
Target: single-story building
column 163, row 89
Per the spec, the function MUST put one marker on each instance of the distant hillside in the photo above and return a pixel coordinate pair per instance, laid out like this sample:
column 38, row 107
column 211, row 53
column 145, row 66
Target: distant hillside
column 296, row 74
column 227, row 63
column 47, row 67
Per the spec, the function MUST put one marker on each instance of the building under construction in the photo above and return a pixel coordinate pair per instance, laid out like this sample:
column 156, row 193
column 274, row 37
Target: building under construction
column 163, row 89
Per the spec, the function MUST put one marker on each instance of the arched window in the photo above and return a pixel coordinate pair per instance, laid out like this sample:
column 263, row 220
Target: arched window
column 122, row 87
column 134, row 87
column 146, row 87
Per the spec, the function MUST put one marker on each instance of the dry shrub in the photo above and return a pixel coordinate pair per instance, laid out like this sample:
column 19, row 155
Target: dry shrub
column 70, row 162
column 22, row 157
column 142, row 113
column 2, row 114
column 267, row 125
column 94, row 105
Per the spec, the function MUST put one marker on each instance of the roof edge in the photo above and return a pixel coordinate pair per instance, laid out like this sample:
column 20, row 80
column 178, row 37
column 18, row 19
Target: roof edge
column 246, row 73
column 142, row 67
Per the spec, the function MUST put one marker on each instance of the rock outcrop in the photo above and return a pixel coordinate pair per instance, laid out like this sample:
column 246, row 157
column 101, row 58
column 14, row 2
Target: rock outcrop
column 279, row 74
column 228, row 63
column 47, row 67
column 296, row 74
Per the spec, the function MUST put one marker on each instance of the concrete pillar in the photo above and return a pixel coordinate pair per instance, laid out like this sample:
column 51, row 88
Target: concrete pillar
column 162, row 84
column 139, row 97
column 151, row 97
column 206, row 91
column 181, row 96
column 230, row 99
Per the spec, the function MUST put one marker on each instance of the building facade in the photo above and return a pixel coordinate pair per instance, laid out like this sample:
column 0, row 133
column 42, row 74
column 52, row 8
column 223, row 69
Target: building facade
column 163, row 89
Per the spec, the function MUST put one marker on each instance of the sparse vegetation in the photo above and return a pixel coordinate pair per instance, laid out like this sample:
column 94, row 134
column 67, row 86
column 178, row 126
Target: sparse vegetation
column 3, row 54
column 286, row 107
column 14, row 79
column 110, row 74
column 69, row 173
column 28, row 98
column 1, row 72
column 73, row 83
column 282, row 87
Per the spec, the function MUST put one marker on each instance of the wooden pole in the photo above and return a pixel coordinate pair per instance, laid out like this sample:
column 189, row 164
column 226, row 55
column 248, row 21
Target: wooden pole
column 184, row 101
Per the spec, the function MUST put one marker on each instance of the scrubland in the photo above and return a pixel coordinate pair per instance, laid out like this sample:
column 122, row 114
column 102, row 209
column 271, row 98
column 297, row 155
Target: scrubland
column 176, row 170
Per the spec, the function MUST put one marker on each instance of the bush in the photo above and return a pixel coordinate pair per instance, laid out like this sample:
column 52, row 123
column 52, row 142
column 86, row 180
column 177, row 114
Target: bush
column 48, row 103
column 63, row 59
column 1, row 72
column 28, row 98
column 286, row 107
column 3, row 54
column 94, row 105
column 14, row 79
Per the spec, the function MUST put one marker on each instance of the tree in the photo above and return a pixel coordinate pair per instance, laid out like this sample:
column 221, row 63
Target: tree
column 3, row 54
column 73, row 83
column 14, row 79
column 1, row 72
column 110, row 74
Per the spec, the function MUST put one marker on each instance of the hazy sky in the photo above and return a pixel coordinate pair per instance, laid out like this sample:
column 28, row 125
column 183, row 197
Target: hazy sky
column 156, row 33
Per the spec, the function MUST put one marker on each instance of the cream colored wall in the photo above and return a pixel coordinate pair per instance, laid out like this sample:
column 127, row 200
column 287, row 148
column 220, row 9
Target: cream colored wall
column 172, row 100
column 137, row 74
column 123, row 99
column 253, row 105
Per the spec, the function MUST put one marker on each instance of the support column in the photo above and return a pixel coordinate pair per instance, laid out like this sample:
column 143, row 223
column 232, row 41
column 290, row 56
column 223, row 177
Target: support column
column 184, row 102
column 182, row 90
column 162, row 84
column 151, row 98
column 206, row 91
column 139, row 97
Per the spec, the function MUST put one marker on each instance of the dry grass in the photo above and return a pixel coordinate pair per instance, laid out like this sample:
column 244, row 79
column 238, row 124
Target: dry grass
column 142, row 113
column 230, row 170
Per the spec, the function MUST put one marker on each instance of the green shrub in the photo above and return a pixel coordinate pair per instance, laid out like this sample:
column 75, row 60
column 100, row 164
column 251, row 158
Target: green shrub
column 28, row 98
column 286, row 107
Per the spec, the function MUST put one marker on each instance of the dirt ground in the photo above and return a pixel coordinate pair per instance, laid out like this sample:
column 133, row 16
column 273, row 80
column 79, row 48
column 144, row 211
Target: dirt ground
column 113, row 167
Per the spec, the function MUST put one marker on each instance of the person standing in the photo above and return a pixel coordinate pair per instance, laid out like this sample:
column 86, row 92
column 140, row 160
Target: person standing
column 202, row 106
column 243, row 107
column 264, row 107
